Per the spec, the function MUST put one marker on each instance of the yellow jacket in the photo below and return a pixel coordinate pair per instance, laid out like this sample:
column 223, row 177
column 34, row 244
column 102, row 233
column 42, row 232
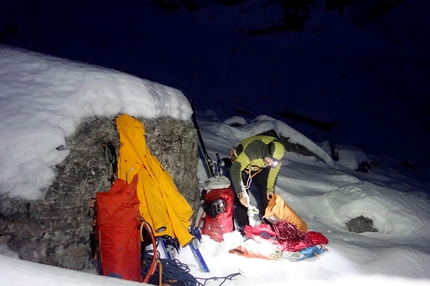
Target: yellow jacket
column 161, row 204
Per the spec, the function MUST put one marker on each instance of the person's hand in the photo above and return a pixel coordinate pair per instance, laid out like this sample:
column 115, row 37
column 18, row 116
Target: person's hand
column 270, row 195
column 244, row 199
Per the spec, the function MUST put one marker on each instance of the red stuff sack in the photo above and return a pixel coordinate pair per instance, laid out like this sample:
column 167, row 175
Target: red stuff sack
column 118, row 221
column 219, row 209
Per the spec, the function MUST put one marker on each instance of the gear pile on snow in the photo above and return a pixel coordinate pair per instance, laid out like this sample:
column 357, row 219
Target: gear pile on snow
column 281, row 238
column 142, row 207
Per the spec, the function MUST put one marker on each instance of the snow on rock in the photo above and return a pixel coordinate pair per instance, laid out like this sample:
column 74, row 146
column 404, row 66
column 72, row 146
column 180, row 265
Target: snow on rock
column 49, row 97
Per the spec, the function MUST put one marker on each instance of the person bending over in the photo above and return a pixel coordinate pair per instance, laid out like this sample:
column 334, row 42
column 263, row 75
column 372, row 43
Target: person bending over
column 256, row 160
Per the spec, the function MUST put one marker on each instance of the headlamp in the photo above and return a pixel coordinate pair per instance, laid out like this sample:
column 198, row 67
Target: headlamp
column 274, row 163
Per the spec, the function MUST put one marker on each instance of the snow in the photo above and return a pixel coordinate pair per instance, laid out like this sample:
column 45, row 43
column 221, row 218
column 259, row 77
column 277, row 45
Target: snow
column 44, row 98
column 372, row 80
column 50, row 96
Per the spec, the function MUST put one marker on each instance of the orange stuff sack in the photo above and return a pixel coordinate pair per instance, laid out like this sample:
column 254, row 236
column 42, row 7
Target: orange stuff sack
column 118, row 230
column 278, row 209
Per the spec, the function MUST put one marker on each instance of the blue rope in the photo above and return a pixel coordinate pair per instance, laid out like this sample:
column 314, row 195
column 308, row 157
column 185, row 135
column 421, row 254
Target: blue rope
column 172, row 270
column 177, row 272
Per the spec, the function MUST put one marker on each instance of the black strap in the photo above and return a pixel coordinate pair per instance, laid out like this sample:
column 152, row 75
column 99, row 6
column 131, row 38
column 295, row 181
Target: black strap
column 111, row 159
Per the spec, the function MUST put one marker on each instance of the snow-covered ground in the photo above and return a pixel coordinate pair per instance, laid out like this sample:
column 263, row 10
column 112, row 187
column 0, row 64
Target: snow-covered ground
column 44, row 98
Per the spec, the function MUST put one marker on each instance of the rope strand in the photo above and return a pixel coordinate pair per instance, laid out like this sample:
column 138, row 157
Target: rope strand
column 249, row 179
column 225, row 278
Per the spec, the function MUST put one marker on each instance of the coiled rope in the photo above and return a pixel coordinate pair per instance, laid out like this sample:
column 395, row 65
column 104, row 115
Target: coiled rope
column 174, row 271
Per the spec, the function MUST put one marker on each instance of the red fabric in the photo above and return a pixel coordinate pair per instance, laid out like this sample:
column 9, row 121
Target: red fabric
column 215, row 227
column 317, row 238
column 290, row 237
column 286, row 235
column 118, row 230
column 263, row 230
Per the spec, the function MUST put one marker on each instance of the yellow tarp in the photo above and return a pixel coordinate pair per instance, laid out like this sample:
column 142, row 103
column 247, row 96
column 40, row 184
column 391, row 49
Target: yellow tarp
column 161, row 204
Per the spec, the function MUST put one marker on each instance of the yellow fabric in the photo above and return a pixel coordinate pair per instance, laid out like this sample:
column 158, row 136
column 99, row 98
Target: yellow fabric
column 161, row 204
column 278, row 208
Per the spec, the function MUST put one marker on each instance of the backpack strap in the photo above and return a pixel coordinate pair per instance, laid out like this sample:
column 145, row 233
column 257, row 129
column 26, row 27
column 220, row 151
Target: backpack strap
column 111, row 159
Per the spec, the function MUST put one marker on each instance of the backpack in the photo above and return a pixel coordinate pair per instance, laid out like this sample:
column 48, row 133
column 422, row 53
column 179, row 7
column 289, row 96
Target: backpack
column 218, row 206
column 117, row 231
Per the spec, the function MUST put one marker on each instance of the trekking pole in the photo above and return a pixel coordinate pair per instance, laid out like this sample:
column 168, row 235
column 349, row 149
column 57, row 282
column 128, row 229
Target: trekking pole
column 208, row 161
column 219, row 164
column 194, row 229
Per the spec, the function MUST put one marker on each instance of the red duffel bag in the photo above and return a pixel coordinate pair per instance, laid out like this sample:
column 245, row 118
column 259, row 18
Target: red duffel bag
column 219, row 210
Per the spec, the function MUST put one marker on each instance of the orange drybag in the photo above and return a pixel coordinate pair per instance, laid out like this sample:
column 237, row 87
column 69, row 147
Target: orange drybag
column 118, row 222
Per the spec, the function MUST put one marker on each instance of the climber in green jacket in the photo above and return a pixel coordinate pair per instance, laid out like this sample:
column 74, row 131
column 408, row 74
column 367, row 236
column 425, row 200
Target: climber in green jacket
column 256, row 159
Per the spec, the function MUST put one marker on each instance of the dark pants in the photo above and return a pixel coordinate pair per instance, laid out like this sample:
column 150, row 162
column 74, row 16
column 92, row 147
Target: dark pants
column 258, row 189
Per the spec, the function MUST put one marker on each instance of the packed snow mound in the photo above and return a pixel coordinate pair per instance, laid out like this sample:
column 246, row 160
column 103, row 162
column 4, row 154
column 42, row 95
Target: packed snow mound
column 49, row 97
column 235, row 121
column 390, row 215
column 264, row 123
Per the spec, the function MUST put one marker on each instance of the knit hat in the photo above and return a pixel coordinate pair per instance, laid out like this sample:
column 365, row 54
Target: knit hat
column 276, row 150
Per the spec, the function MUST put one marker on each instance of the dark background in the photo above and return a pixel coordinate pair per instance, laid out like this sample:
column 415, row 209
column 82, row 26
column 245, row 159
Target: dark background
column 352, row 72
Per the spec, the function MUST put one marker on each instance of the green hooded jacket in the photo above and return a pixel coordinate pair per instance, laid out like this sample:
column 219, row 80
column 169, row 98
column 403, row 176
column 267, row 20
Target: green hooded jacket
column 250, row 155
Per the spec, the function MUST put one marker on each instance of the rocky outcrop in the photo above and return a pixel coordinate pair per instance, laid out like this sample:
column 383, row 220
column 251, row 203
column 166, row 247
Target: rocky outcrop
column 56, row 230
column 360, row 224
